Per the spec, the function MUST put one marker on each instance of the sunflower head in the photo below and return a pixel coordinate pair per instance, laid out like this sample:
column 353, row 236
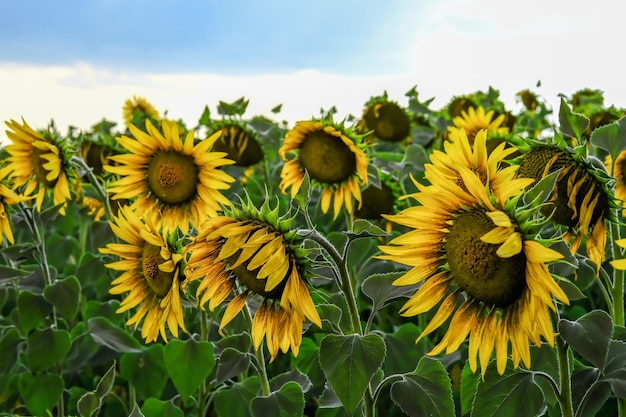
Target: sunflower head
column 334, row 158
column 477, row 259
column 252, row 252
column 385, row 120
column 475, row 119
column 137, row 111
column 149, row 265
column 40, row 162
column 240, row 143
column 8, row 197
column 582, row 199
column 179, row 178
column 379, row 199
column 618, row 170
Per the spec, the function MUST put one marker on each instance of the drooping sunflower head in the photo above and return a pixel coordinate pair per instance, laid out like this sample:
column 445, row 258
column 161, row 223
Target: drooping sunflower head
column 334, row 158
column 40, row 163
column 240, row 143
column 480, row 264
column 385, row 120
column 581, row 199
column 96, row 150
column 253, row 253
column 137, row 111
column 7, row 198
column 619, row 172
column 150, row 266
column 171, row 177
column 475, row 119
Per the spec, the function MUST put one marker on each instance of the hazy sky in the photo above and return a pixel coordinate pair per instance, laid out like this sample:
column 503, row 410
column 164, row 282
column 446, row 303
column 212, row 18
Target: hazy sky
column 77, row 61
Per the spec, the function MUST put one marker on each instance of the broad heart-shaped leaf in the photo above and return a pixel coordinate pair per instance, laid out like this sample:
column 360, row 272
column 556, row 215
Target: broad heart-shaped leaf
column 33, row 310
column 615, row 368
column 107, row 334
column 288, row 401
column 231, row 362
column 64, row 294
column 380, row 289
column 571, row 124
column 46, row 347
column 40, row 392
column 235, row 400
column 291, row 376
column 505, row 395
column 188, row 363
column 349, row 362
column 585, row 385
column 145, row 370
column 427, row 391
column 611, row 137
column 589, row 336
column 153, row 407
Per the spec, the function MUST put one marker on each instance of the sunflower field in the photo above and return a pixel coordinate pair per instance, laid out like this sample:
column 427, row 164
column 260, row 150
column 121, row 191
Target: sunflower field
column 406, row 261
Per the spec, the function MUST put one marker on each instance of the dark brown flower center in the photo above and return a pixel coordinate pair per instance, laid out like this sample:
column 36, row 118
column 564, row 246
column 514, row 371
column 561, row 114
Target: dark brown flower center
column 476, row 267
column 376, row 201
column 327, row 158
column 239, row 145
column 159, row 282
column 388, row 121
column 173, row 177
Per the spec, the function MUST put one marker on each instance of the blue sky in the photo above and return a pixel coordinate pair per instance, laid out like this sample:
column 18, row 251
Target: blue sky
column 235, row 36
column 77, row 61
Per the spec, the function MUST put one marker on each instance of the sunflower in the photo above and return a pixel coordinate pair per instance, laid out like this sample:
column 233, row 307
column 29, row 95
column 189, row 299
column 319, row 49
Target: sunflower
column 619, row 172
column 333, row 158
column 180, row 180
column 150, row 264
column 386, row 120
column 7, row 198
column 465, row 247
column 40, row 163
column 138, row 109
column 581, row 199
column 476, row 119
column 252, row 253
column 238, row 142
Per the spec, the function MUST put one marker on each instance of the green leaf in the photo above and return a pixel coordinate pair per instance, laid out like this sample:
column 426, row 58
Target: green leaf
column 205, row 118
column 503, row 395
column 589, row 336
column 89, row 404
column 106, row 382
column 40, row 392
column 235, row 400
column 7, row 273
column 231, row 363
column 571, row 124
column 364, row 228
column 44, row 348
column 276, row 109
column 153, row 407
column 542, row 190
column 145, row 370
column 303, row 197
column 402, row 352
column 615, row 368
column 349, row 362
column 64, row 294
column 380, row 289
column 469, row 384
column 291, row 376
column 107, row 334
column 33, row 310
column 585, row 385
column 10, row 348
column 288, row 401
column 611, row 137
column 188, row 363
column 427, row 391
column 331, row 317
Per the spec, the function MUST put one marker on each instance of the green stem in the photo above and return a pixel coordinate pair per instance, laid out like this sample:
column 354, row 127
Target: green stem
column 260, row 357
column 345, row 283
column 202, row 389
column 617, row 289
column 565, row 380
